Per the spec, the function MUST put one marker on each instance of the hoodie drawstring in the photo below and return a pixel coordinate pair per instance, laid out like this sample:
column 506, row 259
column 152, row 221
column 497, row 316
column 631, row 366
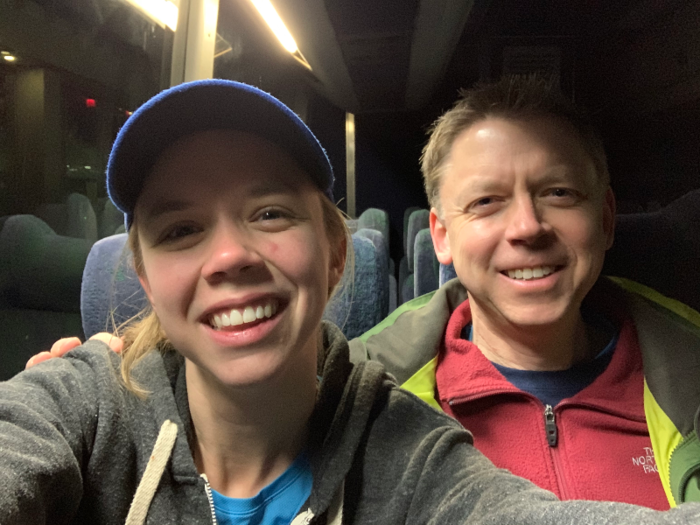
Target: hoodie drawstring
column 151, row 477
column 335, row 510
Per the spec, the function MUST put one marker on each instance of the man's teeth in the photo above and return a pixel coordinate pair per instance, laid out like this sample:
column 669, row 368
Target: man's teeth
column 239, row 316
column 527, row 274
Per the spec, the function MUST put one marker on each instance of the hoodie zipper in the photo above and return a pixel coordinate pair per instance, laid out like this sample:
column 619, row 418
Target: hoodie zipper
column 210, row 498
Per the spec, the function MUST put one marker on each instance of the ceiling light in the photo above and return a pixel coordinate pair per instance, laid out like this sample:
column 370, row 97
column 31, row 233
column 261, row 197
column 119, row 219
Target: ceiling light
column 162, row 12
column 273, row 20
column 8, row 57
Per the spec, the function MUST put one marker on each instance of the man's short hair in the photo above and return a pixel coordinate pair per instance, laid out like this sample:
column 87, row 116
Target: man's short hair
column 512, row 98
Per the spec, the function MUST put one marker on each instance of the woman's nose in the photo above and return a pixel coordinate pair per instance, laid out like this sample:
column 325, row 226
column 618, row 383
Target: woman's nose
column 231, row 253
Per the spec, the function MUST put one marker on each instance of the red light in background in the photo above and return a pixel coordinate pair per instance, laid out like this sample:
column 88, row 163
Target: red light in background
column 90, row 103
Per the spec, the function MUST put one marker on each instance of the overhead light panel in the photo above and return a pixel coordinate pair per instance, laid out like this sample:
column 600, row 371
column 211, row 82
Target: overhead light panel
column 9, row 57
column 269, row 14
column 162, row 12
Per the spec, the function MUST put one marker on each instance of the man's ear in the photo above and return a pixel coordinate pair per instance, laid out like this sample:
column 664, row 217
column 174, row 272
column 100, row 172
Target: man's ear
column 441, row 239
column 609, row 210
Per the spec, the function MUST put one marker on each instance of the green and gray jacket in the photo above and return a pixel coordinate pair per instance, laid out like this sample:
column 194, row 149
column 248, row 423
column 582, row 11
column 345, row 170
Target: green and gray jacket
column 407, row 343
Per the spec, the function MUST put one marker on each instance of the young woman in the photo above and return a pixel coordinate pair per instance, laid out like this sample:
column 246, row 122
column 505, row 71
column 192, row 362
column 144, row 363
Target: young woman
column 231, row 401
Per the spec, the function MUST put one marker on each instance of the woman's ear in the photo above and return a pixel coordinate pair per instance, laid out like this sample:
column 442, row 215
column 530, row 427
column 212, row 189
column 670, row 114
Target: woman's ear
column 147, row 288
column 338, row 257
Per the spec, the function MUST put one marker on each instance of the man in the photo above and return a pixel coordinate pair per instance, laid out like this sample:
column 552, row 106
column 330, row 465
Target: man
column 587, row 387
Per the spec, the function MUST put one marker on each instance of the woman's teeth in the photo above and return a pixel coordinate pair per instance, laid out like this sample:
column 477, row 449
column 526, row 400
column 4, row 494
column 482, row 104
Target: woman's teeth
column 527, row 274
column 239, row 316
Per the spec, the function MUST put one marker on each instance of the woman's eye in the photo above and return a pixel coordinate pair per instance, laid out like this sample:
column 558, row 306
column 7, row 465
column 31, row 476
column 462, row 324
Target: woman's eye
column 178, row 232
column 271, row 215
column 276, row 215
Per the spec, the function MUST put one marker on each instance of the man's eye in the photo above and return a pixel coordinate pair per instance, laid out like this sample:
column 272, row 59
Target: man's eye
column 484, row 201
column 484, row 204
column 561, row 192
column 563, row 196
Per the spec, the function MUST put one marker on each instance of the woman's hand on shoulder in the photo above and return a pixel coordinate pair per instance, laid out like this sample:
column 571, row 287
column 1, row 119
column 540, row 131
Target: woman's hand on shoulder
column 63, row 346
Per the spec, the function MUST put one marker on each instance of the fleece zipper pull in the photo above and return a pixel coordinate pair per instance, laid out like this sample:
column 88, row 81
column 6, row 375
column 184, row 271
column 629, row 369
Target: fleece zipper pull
column 550, row 426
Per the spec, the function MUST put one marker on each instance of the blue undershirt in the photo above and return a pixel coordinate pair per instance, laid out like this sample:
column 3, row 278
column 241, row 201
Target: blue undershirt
column 276, row 504
column 551, row 387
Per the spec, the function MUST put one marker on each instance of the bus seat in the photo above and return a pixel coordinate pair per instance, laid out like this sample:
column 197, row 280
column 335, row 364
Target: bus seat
column 447, row 273
column 82, row 221
column 352, row 225
column 40, row 275
column 407, row 289
column 355, row 308
column 416, row 222
column 73, row 218
column 383, row 266
column 376, row 219
column 406, row 215
column 55, row 215
column 110, row 219
column 426, row 267
column 393, row 294
column 111, row 292
column 39, row 269
column 403, row 269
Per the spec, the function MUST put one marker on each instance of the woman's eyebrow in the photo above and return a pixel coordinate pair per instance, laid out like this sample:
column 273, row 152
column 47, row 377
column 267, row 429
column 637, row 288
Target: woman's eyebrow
column 162, row 207
column 268, row 188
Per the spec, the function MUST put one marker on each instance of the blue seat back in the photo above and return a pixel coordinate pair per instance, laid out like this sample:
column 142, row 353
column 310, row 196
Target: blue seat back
column 426, row 267
column 111, row 293
column 419, row 220
column 406, row 216
column 407, row 289
column 382, row 265
column 376, row 219
column 447, row 273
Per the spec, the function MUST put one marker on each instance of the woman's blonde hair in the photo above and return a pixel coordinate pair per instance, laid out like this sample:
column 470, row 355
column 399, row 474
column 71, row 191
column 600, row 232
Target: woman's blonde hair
column 143, row 333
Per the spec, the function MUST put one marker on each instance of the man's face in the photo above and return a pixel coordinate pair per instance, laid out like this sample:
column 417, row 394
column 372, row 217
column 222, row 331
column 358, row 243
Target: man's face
column 525, row 220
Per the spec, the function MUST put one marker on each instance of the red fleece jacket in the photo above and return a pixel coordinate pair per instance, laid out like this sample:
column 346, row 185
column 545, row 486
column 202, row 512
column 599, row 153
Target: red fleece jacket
column 603, row 450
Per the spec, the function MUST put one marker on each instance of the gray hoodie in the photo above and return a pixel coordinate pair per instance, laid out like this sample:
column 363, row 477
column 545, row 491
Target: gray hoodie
column 74, row 445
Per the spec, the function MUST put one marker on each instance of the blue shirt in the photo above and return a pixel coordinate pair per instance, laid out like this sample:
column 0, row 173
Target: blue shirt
column 551, row 387
column 276, row 504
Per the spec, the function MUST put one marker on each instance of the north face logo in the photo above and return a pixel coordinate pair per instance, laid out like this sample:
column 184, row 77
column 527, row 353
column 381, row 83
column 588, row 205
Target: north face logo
column 646, row 461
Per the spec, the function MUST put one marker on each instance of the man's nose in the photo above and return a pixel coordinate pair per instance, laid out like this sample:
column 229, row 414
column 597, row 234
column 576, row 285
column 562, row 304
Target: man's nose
column 231, row 253
column 525, row 222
